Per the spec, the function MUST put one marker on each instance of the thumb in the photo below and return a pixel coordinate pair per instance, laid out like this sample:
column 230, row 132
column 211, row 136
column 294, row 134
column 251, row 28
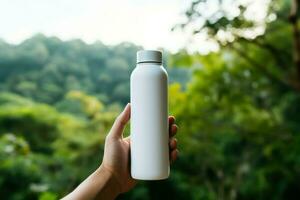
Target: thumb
column 120, row 122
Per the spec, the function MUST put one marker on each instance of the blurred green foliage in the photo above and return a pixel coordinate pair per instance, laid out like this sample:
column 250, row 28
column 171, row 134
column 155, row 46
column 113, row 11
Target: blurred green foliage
column 45, row 69
column 238, row 115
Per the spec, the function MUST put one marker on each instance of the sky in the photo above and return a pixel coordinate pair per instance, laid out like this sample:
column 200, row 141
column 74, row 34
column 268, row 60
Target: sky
column 143, row 22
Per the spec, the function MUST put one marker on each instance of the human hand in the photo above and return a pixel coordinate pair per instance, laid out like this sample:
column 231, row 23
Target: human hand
column 117, row 151
column 113, row 175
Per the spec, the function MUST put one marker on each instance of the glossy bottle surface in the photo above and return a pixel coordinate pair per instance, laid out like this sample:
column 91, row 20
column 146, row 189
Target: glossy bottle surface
column 149, row 121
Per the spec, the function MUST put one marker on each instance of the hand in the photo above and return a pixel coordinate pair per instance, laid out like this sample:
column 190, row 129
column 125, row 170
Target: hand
column 113, row 176
column 117, row 151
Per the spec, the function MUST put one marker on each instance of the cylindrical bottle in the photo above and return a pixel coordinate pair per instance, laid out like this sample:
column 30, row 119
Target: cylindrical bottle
column 149, row 118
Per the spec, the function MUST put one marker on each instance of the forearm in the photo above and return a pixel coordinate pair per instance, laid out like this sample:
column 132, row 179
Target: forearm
column 99, row 185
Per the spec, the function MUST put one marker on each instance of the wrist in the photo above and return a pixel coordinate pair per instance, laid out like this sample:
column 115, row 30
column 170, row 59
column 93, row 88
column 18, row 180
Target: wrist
column 112, row 180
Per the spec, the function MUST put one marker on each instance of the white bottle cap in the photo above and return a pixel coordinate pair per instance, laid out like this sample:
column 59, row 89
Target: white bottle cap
column 148, row 56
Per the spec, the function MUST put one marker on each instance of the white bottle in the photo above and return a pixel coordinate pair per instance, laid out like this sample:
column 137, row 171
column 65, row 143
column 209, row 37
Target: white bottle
column 149, row 118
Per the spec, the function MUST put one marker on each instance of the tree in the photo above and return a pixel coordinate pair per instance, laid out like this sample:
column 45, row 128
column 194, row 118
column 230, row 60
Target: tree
column 231, row 27
column 235, row 116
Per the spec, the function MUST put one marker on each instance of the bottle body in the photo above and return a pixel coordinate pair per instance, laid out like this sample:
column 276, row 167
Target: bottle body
column 149, row 122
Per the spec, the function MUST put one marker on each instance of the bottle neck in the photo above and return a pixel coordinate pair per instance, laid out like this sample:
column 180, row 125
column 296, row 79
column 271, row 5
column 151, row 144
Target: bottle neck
column 149, row 63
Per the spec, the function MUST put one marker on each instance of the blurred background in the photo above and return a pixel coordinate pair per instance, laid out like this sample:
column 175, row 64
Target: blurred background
column 234, row 68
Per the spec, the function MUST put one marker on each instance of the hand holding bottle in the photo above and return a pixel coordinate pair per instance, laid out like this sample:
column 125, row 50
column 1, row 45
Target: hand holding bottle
column 116, row 153
column 113, row 176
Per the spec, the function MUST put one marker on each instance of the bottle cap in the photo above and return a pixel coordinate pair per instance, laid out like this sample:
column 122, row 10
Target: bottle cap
column 144, row 56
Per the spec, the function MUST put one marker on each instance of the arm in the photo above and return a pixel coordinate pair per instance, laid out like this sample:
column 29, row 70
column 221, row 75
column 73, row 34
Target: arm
column 99, row 185
column 113, row 175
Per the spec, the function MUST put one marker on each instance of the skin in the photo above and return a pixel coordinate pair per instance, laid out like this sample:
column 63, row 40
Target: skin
column 113, row 176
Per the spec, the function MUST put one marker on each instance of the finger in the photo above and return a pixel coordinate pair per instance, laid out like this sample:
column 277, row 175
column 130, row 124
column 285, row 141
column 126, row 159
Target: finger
column 171, row 120
column 174, row 155
column 173, row 143
column 120, row 122
column 173, row 130
column 127, row 139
